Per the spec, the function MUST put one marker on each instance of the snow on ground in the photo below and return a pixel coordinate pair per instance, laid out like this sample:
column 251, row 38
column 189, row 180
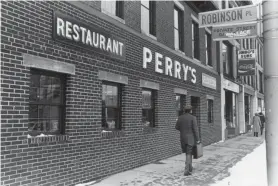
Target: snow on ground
column 250, row 171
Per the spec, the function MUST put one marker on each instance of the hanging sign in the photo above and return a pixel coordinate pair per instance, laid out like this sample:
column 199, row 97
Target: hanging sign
column 246, row 63
column 246, row 67
column 88, row 36
column 247, row 54
column 228, row 16
column 242, row 31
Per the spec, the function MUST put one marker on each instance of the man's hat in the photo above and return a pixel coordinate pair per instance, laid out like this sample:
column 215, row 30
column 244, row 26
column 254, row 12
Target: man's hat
column 188, row 107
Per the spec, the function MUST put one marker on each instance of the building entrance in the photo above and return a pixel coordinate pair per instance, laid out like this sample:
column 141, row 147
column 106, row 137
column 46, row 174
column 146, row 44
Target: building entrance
column 195, row 103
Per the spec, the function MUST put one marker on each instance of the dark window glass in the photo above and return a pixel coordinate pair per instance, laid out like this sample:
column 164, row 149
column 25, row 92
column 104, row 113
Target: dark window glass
column 227, row 53
column 208, row 49
column 47, row 102
column 120, row 9
column 111, row 106
column 148, row 108
column 210, row 110
column 261, row 82
column 152, row 12
column 178, row 28
column 223, row 4
column 180, row 101
column 195, row 40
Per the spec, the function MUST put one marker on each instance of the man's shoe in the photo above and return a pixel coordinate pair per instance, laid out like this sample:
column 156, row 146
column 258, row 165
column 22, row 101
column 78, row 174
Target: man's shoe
column 187, row 173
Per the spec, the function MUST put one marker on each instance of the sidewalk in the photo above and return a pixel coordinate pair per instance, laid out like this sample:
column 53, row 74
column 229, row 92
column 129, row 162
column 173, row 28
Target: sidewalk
column 211, row 168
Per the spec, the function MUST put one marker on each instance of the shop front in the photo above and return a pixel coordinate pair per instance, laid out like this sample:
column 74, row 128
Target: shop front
column 231, row 108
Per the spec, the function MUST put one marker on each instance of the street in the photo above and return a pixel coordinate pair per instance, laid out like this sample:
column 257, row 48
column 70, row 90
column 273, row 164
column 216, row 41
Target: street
column 209, row 170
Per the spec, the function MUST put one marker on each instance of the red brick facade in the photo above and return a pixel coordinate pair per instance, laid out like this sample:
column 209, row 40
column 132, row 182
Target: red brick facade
column 84, row 153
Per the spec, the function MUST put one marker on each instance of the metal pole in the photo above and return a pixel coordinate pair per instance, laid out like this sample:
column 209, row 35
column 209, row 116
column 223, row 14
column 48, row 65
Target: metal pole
column 270, row 35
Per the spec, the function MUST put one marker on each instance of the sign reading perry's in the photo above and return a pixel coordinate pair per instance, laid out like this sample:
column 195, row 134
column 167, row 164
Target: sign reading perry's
column 90, row 37
column 228, row 16
column 169, row 67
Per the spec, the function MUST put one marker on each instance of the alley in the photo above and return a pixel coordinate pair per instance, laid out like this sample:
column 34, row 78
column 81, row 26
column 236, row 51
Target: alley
column 211, row 168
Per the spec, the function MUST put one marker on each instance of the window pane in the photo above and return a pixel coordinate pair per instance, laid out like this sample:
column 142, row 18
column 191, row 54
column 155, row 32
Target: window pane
column 44, row 112
column 54, row 125
column 33, row 111
column 176, row 19
column 54, row 112
column 35, row 80
column 145, row 18
column 176, row 32
column 178, row 102
column 110, row 95
column 146, row 99
column 110, row 117
column 34, row 94
column 147, row 117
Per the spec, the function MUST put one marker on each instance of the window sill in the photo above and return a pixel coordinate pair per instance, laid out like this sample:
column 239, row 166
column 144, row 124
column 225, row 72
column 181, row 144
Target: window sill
column 149, row 35
column 111, row 133
column 197, row 60
column 113, row 16
column 178, row 50
column 209, row 66
column 46, row 139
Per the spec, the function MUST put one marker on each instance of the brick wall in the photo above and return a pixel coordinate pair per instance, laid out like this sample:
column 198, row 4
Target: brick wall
column 86, row 154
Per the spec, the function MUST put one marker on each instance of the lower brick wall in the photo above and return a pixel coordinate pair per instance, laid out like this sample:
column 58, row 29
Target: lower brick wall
column 85, row 152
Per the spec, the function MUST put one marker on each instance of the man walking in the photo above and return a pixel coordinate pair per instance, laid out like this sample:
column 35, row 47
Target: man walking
column 189, row 136
column 262, row 118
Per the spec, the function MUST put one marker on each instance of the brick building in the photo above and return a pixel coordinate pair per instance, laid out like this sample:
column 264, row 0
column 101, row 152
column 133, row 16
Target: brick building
column 93, row 88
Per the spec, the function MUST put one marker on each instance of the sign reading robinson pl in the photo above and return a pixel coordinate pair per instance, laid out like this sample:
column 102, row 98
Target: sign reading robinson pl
column 242, row 31
column 89, row 37
column 228, row 16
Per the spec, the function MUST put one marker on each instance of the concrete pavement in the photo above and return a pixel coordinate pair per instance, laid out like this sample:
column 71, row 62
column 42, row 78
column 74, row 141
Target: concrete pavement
column 213, row 166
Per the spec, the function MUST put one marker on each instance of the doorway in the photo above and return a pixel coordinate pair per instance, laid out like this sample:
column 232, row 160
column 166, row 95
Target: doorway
column 195, row 103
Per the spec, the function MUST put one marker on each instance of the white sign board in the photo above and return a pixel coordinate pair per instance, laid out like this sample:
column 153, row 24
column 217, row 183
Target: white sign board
column 247, row 54
column 228, row 16
column 208, row 81
column 228, row 85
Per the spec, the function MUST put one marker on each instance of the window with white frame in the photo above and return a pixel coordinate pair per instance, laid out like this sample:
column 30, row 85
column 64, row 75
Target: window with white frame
column 195, row 40
column 178, row 29
column 148, row 17
column 208, row 48
column 113, row 7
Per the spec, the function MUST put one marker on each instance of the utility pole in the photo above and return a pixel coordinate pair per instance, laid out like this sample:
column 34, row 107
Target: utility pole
column 270, row 36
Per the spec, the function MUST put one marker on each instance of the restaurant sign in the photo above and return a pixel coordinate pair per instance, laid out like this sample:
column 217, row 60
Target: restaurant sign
column 228, row 16
column 246, row 63
column 88, row 36
column 234, row 31
column 208, row 81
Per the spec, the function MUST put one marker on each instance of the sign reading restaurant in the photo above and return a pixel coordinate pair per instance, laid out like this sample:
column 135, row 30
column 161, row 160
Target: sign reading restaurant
column 89, row 37
column 228, row 16
column 242, row 31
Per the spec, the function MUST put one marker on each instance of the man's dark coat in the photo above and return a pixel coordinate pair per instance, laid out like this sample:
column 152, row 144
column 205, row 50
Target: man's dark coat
column 189, row 133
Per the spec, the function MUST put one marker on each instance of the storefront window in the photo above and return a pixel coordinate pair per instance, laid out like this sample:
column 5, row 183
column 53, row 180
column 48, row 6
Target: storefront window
column 179, row 104
column 111, row 106
column 210, row 110
column 148, row 109
column 227, row 54
column 47, row 104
